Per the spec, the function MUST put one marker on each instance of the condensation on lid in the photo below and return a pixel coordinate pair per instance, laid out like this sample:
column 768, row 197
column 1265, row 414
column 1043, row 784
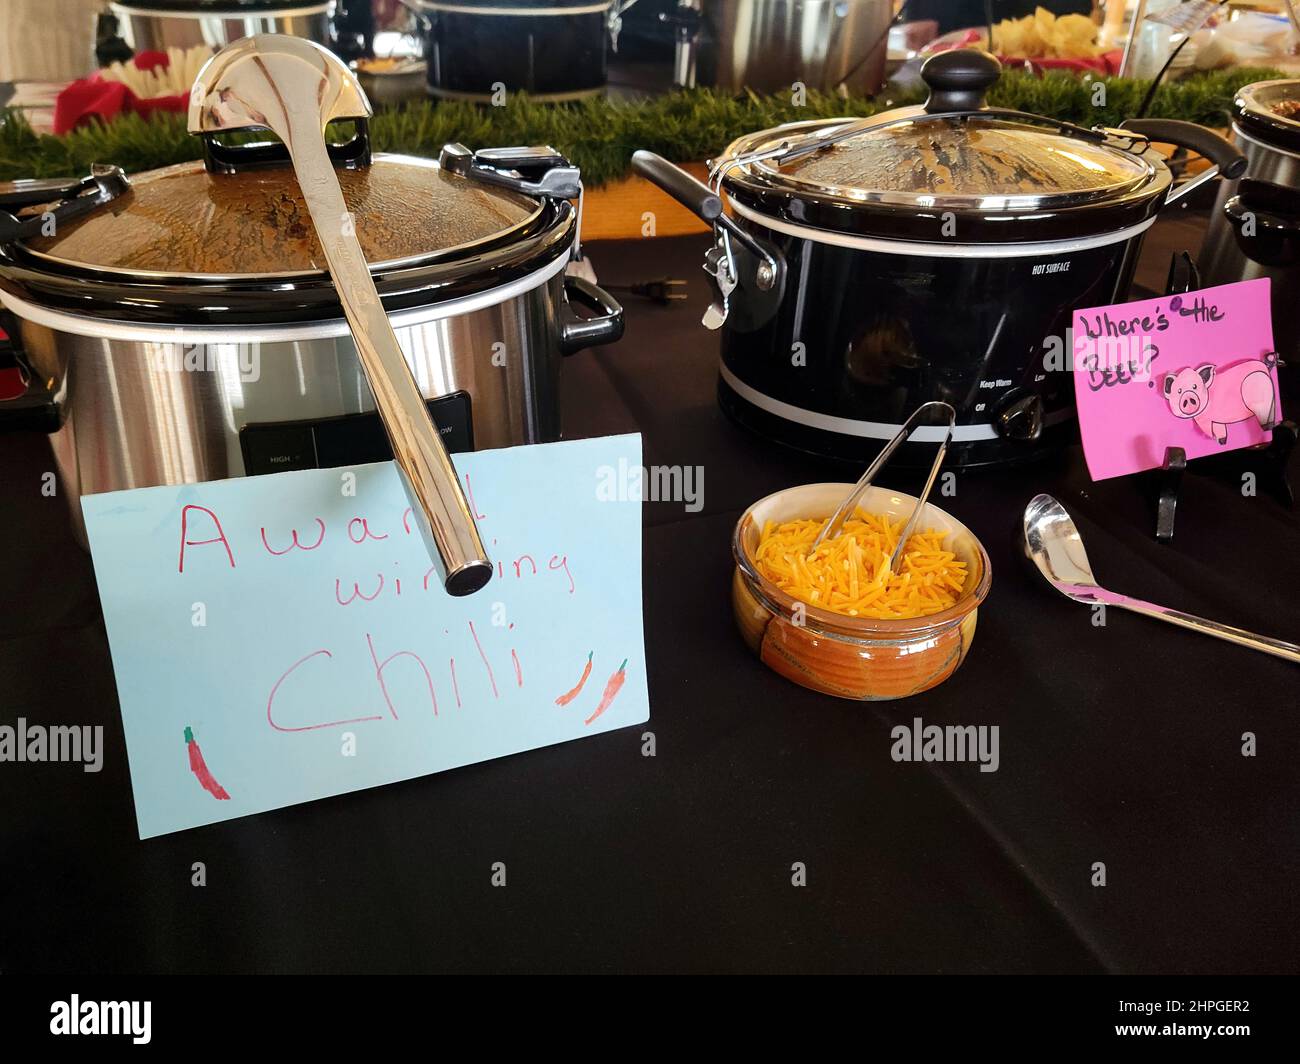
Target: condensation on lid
column 183, row 220
column 966, row 160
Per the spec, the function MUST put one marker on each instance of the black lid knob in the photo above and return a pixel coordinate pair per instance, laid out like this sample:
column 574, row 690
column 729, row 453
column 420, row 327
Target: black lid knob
column 958, row 79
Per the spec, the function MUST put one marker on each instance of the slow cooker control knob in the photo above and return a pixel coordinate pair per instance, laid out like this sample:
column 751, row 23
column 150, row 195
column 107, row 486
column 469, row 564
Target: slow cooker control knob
column 958, row 79
column 1019, row 417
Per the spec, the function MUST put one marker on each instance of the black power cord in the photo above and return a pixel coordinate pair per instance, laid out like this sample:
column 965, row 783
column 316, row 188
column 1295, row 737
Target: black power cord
column 663, row 290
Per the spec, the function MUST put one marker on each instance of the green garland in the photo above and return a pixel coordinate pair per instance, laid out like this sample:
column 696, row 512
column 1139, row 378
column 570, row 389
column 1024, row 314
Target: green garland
column 600, row 135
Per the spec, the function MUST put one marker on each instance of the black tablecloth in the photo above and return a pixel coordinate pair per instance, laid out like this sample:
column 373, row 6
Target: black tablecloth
column 1120, row 745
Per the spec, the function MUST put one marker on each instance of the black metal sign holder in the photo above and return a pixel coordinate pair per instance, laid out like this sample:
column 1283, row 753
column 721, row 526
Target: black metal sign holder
column 1266, row 463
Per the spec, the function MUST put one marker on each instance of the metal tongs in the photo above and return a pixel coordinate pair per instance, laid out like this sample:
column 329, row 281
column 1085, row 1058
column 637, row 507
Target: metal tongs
column 847, row 508
column 295, row 88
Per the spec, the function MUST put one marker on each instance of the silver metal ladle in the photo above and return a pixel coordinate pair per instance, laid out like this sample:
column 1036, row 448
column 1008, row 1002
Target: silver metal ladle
column 1052, row 542
column 295, row 88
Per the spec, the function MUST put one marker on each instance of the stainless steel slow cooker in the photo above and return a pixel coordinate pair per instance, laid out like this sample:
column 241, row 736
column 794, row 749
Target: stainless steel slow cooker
column 156, row 25
column 863, row 267
column 1254, row 230
column 767, row 45
column 179, row 325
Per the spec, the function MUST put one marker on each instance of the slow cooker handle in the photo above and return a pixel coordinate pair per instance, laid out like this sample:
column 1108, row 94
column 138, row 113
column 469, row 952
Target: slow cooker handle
column 694, row 195
column 35, row 407
column 1282, row 204
column 576, row 332
column 15, row 195
column 219, row 158
column 1229, row 162
column 64, row 201
column 1275, row 212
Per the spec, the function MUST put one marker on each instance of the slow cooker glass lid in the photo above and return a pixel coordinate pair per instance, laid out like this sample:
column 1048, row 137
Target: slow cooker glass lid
column 184, row 221
column 931, row 161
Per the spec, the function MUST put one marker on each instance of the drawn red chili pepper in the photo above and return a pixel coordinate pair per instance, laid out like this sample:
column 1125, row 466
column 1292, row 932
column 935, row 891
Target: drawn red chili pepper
column 611, row 689
column 200, row 770
column 570, row 695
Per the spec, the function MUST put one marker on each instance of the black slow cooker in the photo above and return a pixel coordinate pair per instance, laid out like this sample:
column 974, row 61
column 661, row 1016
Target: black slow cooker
column 867, row 266
column 551, row 49
column 156, row 25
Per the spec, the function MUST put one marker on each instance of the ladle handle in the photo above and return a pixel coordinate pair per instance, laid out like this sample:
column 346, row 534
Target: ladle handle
column 295, row 88
column 1279, row 648
column 433, row 488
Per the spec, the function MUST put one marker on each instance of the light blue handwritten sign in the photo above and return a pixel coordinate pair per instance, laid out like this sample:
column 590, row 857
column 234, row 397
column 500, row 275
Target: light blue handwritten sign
column 282, row 638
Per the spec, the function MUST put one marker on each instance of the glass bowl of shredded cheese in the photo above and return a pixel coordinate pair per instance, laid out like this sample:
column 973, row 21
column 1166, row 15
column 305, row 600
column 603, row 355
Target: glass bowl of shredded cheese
column 837, row 619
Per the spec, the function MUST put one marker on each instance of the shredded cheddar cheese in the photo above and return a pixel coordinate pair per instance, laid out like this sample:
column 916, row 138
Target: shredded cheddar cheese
column 848, row 574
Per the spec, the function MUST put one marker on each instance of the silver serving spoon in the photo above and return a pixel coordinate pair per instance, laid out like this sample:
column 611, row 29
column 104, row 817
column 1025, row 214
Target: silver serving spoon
column 295, row 88
column 1051, row 541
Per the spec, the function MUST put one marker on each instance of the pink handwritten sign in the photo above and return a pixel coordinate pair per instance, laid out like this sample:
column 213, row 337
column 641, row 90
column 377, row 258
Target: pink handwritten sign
column 1196, row 371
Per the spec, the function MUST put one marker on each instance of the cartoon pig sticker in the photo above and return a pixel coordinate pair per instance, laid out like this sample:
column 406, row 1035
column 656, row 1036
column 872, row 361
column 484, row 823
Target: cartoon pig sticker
column 1215, row 399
